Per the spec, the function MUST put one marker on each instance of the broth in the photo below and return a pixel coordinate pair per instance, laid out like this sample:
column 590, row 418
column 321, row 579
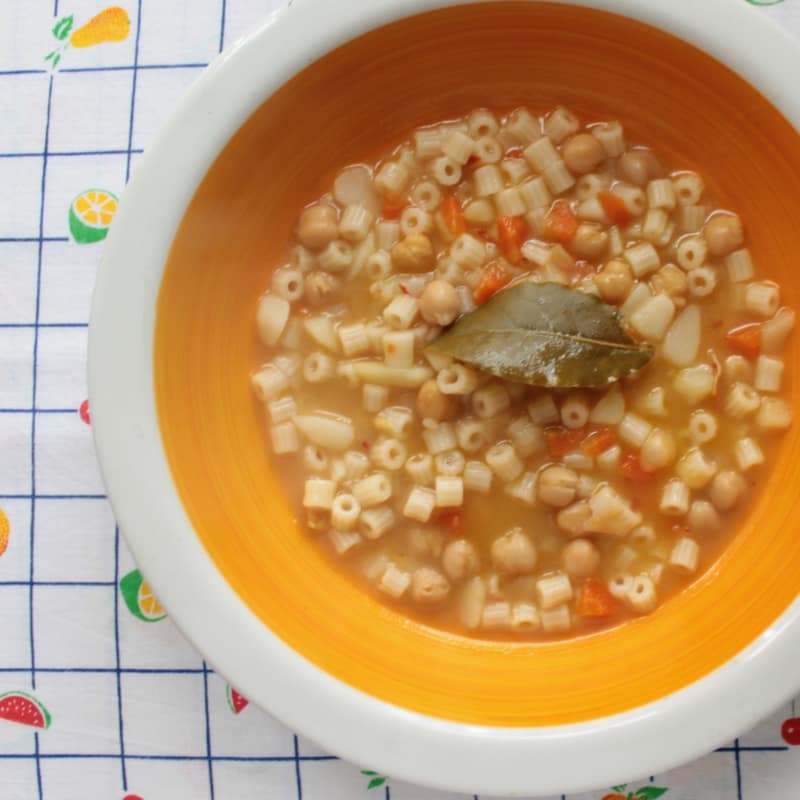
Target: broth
column 525, row 548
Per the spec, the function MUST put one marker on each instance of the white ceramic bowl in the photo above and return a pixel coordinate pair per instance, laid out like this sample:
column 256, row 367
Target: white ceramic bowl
column 421, row 749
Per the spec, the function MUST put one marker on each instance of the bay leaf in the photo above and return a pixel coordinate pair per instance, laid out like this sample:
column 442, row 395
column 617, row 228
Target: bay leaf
column 545, row 334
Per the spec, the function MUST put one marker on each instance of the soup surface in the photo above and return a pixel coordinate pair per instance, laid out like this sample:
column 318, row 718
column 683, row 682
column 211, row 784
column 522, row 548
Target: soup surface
column 485, row 487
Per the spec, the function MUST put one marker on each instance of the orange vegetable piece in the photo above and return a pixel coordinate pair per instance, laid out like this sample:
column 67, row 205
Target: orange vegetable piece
column 453, row 521
column 494, row 278
column 598, row 442
column 595, row 600
column 746, row 339
column 110, row 25
column 510, row 235
column 615, row 208
column 631, row 469
column 393, row 205
column 453, row 215
column 560, row 224
column 561, row 441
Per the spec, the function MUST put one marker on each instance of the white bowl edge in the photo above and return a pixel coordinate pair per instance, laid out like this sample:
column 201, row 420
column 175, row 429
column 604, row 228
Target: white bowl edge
column 403, row 744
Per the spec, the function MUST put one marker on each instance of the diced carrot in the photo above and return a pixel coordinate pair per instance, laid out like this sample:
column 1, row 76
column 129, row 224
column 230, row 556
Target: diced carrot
column 746, row 339
column 494, row 278
column 615, row 208
column 453, row 522
column 453, row 216
column 393, row 205
column 560, row 224
column 561, row 441
column 631, row 469
column 510, row 235
column 595, row 600
column 598, row 442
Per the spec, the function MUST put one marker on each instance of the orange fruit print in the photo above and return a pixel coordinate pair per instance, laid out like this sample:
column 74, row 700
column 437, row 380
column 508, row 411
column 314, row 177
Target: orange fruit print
column 5, row 531
column 110, row 25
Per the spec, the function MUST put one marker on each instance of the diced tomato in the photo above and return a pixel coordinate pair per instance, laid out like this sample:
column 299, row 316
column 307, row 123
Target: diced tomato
column 473, row 160
column 453, row 521
column 510, row 235
column 746, row 339
column 631, row 469
column 404, row 288
column 393, row 205
column 453, row 216
column 615, row 208
column 561, row 441
column 494, row 278
column 598, row 442
column 560, row 224
column 595, row 600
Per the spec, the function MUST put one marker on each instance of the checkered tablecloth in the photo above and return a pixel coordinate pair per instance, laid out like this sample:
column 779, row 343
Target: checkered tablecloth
column 109, row 701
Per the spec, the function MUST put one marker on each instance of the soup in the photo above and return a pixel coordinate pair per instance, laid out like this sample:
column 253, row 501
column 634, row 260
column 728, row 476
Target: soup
column 483, row 489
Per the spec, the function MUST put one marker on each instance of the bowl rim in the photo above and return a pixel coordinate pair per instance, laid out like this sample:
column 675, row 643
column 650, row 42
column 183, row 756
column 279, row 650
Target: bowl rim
column 404, row 744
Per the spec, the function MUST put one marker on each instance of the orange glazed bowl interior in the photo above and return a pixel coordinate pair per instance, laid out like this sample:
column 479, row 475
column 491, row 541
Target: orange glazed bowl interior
column 351, row 106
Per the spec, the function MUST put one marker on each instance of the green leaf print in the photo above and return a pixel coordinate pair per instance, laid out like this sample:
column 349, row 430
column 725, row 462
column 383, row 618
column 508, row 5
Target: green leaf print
column 650, row 792
column 376, row 779
column 63, row 27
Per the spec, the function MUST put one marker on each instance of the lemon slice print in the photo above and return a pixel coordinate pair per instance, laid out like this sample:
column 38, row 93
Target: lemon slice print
column 139, row 598
column 90, row 215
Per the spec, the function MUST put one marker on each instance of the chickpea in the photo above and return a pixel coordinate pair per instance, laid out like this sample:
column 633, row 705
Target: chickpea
column 424, row 542
column 723, row 234
column 321, row 288
column 582, row 153
column 703, row 517
column 429, row 586
column 460, row 561
column 658, row 450
column 439, row 303
column 670, row 280
column 514, row 553
column 318, row 226
column 414, row 253
column 590, row 241
column 614, row 281
column 432, row 403
column 557, row 486
column 737, row 369
column 638, row 167
column 726, row 489
column 580, row 558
